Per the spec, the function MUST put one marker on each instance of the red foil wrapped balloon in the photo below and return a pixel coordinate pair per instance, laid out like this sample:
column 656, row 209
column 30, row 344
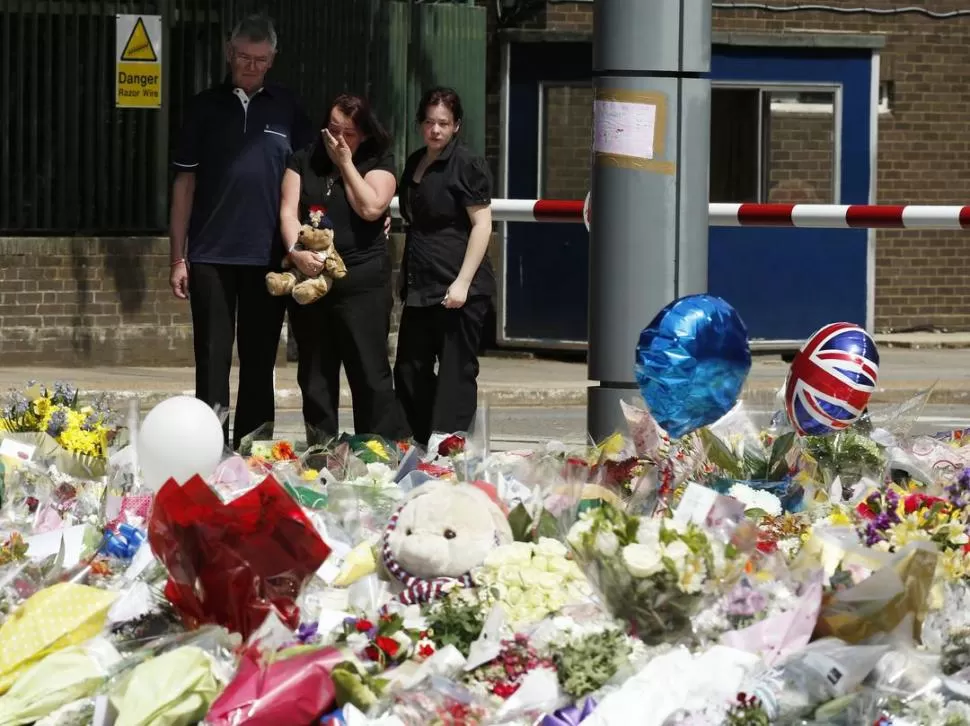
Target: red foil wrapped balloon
column 831, row 379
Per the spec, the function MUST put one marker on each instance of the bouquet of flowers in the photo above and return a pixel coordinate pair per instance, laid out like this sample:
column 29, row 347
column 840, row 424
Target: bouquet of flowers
column 387, row 642
column 654, row 573
column 530, row 581
column 84, row 430
column 503, row 676
column 848, row 455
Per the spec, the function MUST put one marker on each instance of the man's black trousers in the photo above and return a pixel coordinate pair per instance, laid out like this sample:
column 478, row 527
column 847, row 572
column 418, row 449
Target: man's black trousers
column 229, row 302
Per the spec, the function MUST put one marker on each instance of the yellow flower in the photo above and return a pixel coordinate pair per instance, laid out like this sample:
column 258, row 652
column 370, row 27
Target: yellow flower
column 953, row 565
column 42, row 407
column 310, row 475
column 839, row 518
column 376, row 448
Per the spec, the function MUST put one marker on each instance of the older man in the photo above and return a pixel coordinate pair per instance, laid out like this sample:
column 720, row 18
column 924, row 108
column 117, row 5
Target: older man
column 224, row 227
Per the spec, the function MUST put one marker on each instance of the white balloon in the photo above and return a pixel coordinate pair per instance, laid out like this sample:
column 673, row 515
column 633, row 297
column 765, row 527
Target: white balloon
column 179, row 438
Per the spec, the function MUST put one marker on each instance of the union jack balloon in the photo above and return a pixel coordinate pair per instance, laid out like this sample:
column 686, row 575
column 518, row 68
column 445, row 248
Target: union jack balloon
column 831, row 379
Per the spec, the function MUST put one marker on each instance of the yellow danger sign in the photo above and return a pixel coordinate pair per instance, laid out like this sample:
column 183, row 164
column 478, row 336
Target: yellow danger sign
column 138, row 61
column 139, row 45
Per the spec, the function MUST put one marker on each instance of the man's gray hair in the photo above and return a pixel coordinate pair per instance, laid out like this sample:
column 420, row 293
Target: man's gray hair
column 255, row 29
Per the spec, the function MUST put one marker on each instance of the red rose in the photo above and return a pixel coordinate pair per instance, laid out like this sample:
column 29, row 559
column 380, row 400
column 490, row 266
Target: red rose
column 388, row 645
column 372, row 653
column 452, row 445
column 426, row 651
column 504, row 690
column 363, row 626
column 767, row 546
column 864, row 511
column 316, row 208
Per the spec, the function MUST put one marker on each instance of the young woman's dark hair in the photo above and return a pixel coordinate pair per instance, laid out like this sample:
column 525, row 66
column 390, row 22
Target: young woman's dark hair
column 440, row 96
column 358, row 109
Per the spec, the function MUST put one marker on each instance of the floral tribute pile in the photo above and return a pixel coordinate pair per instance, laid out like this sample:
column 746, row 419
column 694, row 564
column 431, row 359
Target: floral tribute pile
column 740, row 575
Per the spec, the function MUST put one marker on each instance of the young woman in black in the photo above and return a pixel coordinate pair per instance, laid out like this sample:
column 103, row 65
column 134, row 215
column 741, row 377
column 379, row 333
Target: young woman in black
column 447, row 279
column 345, row 181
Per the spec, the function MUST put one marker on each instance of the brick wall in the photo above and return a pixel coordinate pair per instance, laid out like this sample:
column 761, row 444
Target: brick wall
column 77, row 301
column 800, row 159
column 568, row 118
column 922, row 277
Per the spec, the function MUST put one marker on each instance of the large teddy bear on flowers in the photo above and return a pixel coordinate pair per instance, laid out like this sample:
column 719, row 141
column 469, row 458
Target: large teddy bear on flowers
column 316, row 237
column 437, row 537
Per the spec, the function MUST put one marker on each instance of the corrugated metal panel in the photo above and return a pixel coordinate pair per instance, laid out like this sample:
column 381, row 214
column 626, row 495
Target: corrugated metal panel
column 69, row 160
column 389, row 80
column 451, row 52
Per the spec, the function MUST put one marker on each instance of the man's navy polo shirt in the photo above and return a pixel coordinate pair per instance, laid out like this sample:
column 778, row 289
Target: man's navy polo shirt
column 237, row 147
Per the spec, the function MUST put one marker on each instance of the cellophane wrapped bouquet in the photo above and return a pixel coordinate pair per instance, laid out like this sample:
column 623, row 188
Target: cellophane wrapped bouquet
column 652, row 572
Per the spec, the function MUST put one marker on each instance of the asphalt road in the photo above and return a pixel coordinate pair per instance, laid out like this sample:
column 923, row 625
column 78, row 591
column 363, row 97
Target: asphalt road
column 512, row 428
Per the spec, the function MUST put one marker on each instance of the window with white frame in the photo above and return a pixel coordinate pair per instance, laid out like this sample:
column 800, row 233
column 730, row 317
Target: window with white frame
column 761, row 154
column 794, row 101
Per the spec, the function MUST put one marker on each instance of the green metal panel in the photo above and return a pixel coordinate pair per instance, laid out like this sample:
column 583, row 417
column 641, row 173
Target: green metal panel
column 450, row 51
column 389, row 75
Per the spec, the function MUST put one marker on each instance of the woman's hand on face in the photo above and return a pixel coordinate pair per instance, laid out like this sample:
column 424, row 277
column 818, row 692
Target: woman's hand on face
column 337, row 148
column 457, row 294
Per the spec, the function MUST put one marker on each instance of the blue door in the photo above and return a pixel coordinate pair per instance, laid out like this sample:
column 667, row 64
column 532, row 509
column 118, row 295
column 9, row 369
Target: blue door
column 788, row 126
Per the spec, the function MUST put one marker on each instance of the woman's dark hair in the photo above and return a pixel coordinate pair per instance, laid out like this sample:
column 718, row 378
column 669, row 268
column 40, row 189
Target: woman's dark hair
column 358, row 109
column 440, row 96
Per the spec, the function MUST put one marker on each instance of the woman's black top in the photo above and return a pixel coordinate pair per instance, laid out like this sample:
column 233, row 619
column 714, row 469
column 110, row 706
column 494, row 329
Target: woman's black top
column 321, row 186
column 435, row 210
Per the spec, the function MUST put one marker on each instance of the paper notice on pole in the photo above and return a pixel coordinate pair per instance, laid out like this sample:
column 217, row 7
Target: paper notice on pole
column 624, row 129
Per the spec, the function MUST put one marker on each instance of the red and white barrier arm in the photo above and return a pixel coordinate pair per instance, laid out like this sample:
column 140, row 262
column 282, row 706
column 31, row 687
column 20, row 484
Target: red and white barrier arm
column 829, row 216
column 528, row 210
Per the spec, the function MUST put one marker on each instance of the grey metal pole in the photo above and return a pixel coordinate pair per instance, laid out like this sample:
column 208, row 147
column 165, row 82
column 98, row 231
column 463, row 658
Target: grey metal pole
column 651, row 155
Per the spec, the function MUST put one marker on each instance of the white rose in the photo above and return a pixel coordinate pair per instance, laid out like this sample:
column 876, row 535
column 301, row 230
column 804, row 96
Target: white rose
column 539, row 564
column 550, row 548
column 548, row 581
column 499, row 557
column 519, row 552
column 511, row 577
column 513, row 595
column 557, row 600
column 562, row 566
column 677, row 551
column 578, row 531
column 642, row 560
column 607, row 543
column 648, row 532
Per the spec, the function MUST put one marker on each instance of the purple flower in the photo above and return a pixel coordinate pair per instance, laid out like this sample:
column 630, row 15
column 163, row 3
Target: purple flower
column 884, row 521
column 18, row 407
column 959, row 491
column 64, row 394
column 307, row 632
column 57, row 423
column 745, row 601
column 873, row 535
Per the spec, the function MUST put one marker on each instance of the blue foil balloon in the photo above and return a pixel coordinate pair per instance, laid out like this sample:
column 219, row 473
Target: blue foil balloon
column 691, row 363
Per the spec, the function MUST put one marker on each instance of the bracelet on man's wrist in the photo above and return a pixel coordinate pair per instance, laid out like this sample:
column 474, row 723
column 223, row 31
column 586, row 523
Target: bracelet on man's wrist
column 180, row 261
